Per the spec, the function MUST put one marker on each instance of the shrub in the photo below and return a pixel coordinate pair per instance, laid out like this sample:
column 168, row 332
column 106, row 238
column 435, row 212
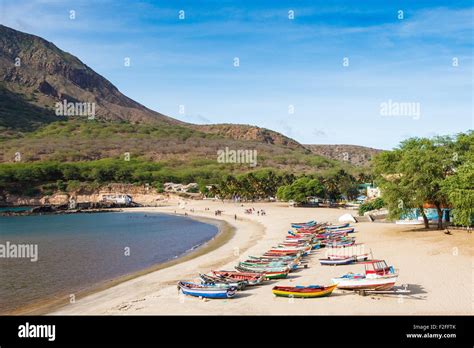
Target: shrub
column 377, row 203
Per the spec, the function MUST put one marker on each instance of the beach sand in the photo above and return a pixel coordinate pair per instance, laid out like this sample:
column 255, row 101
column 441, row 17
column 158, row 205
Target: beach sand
column 437, row 269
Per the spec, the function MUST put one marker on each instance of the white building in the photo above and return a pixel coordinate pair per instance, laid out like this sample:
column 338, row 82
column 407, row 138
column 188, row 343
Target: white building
column 172, row 187
column 117, row 198
column 373, row 192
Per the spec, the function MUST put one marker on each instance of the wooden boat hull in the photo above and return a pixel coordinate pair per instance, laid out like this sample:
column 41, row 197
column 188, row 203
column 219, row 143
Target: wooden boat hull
column 380, row 283
column 358, row 258
column 303, row 293
column 346, row 230
column 337, row 261
column 303, row 224
column 262, row 269
column 222, row 282
column 267, row 275
column 252, row 278
column 205, row 291
column 336, row 227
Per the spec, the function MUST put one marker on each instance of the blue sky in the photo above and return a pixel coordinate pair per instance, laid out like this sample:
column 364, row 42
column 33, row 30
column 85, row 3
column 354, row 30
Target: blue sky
column 283, row 62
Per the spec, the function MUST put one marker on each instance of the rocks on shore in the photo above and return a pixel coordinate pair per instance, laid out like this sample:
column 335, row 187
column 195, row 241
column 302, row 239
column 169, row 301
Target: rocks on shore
column 89, row 207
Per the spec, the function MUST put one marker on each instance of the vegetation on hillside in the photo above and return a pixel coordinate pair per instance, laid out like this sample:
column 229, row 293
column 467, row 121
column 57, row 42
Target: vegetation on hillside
column 52, row 175
column 84, row 140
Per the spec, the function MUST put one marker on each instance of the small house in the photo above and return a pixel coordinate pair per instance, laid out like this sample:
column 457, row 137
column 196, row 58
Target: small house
column 117, row 199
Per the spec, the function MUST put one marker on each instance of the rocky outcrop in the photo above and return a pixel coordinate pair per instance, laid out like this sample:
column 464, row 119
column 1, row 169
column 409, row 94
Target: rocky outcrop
column 249, row 133
column 142, row 195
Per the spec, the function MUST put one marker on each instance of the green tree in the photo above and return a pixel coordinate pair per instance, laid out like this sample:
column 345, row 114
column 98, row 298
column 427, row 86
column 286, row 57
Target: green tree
column 300, row 190
column 414, row 174
column 459, row 188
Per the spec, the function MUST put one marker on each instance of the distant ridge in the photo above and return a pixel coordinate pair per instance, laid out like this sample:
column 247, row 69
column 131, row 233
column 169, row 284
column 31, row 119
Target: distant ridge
column 354, row 154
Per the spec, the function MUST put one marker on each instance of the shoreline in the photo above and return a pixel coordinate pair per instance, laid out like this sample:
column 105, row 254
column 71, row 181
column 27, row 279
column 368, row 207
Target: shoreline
column 224, row 234
column 427, row 260
column 418, row 254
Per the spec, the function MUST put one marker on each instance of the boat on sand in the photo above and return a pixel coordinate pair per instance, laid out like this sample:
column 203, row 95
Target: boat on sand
column 378, row 276
column 310, row 291
column 206, row 291
column 337, row 261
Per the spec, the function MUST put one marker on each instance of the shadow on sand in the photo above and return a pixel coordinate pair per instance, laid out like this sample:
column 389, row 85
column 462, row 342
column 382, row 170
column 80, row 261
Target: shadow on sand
column 415, row 290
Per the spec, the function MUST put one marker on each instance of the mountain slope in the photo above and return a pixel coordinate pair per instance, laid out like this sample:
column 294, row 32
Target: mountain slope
column 18, row 113
column 354, row 154
column 46, row 75
column 42, row 74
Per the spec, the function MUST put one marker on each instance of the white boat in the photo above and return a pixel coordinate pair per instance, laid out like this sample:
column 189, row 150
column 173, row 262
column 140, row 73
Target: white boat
column 337, row 261
column 378, row 276
column 409, row 222
column 357, row 257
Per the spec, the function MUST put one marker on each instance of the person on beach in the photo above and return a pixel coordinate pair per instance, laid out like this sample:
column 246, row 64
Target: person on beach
column 235, row 216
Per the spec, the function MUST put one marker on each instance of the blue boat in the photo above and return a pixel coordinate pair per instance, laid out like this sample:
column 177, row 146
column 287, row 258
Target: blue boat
column 337, row 261
column 206, row 291
column 303, row 224
column 336, row 227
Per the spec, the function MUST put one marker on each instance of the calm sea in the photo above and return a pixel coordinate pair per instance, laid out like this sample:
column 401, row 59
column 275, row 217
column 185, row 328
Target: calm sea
column 78, row 251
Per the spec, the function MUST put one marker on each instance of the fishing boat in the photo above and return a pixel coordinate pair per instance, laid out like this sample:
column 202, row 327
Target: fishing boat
column 331, row 233
column 263, row 268
column 299, row 237
column 337, row 261
column 309, row 230
column 336, row 227
column 282, row 253
column 346, row 230
column 267, row 274
column 271, row 266
column 205, row 291
column 303, row 224
column 291, row 248
column 338, row 244
column 357, row 257
column 378, row 276
column 274, row 262
column 252, row 278
column 222, row 282
column 275, row 258
column 310, row 291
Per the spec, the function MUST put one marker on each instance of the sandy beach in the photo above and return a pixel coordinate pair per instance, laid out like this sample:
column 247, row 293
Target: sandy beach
column 436, row 268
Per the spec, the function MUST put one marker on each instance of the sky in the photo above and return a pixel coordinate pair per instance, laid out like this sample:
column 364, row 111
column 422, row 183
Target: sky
column 365, row 72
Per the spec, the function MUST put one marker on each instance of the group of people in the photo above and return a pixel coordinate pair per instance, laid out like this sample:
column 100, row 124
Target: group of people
column 252, row 210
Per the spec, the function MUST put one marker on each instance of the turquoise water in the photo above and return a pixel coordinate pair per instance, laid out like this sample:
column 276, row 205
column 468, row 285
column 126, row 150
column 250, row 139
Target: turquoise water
column 78, row 251
column 8, row 209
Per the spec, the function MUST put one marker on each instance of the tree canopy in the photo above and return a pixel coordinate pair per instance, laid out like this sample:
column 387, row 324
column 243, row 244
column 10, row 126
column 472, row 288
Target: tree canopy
column 423, row 170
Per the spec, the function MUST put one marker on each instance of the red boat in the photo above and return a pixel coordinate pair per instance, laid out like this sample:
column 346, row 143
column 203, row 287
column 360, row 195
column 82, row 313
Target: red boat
column 282, row 253
column 250, row 277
